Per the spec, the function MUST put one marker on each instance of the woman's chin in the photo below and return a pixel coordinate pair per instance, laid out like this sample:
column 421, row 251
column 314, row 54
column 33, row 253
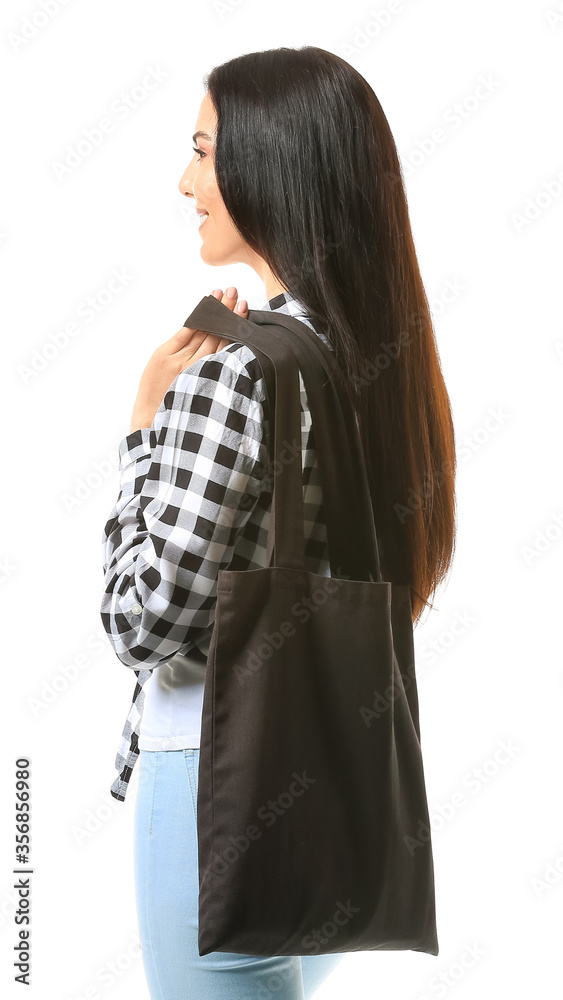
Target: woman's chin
column 209, row 257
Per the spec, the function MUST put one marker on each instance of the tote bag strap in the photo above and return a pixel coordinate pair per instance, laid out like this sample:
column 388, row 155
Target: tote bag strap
column 286, row 543
column 347, row 530
column 333, row 418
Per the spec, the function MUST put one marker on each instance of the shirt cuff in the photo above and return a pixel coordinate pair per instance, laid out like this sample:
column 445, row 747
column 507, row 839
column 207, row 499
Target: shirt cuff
column 134, row 446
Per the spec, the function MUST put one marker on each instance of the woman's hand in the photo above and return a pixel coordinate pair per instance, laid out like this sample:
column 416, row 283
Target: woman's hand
column 181, row 351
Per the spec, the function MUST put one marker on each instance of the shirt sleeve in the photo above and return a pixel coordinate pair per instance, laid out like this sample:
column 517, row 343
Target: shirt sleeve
column 188, row 485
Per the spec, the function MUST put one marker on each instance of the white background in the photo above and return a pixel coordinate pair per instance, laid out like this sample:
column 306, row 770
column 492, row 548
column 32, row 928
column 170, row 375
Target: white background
column 484, row 220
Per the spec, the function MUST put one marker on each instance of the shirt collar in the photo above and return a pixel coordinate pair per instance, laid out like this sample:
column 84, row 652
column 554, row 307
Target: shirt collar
column 282, row 299
column 287, row 304
column 278, row 300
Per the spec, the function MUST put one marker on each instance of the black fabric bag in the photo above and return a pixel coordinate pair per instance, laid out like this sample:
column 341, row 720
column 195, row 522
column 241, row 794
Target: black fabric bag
column 312, row 815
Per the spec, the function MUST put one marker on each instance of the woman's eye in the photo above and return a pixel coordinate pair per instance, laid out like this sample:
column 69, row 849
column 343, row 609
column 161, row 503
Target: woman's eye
column 199, row 151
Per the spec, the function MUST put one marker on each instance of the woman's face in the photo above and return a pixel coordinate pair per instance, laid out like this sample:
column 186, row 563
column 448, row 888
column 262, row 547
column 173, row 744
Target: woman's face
column 221, row 243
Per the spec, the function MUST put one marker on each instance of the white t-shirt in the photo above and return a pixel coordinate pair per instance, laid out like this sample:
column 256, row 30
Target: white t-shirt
column 173, row 703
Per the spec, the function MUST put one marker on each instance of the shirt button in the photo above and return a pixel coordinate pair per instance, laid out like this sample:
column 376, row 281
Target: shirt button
column 136, row 609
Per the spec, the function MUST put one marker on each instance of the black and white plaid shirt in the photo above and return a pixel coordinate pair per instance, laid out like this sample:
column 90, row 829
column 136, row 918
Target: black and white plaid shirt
column 180, row 516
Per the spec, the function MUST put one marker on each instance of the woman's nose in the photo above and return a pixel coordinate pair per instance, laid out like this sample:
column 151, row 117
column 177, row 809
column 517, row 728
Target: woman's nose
column 185, row 185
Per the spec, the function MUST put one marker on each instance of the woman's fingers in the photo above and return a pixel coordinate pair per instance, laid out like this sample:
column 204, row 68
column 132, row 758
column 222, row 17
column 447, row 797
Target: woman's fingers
column 230, row 300
column 190, row 343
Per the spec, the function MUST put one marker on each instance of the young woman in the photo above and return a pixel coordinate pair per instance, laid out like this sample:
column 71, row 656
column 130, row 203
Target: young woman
column 295, row 173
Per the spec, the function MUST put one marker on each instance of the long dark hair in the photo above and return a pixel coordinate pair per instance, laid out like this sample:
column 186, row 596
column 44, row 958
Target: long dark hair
column 308, row 169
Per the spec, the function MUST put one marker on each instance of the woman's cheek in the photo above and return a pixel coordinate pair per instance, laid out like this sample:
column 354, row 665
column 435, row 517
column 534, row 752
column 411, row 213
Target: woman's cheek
column 207, row 189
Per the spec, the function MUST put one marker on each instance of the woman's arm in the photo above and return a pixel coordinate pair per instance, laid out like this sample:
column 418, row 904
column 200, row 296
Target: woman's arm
column 188, row 486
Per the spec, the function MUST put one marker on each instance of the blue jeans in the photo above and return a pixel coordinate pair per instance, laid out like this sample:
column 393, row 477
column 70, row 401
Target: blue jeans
column 167, row 885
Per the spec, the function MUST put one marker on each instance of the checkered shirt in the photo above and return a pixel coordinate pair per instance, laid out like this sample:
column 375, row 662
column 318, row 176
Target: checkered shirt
column 195, row 498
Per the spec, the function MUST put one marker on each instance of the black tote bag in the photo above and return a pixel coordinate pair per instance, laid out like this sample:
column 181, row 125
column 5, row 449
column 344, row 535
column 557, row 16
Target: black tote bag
column 312, row 815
